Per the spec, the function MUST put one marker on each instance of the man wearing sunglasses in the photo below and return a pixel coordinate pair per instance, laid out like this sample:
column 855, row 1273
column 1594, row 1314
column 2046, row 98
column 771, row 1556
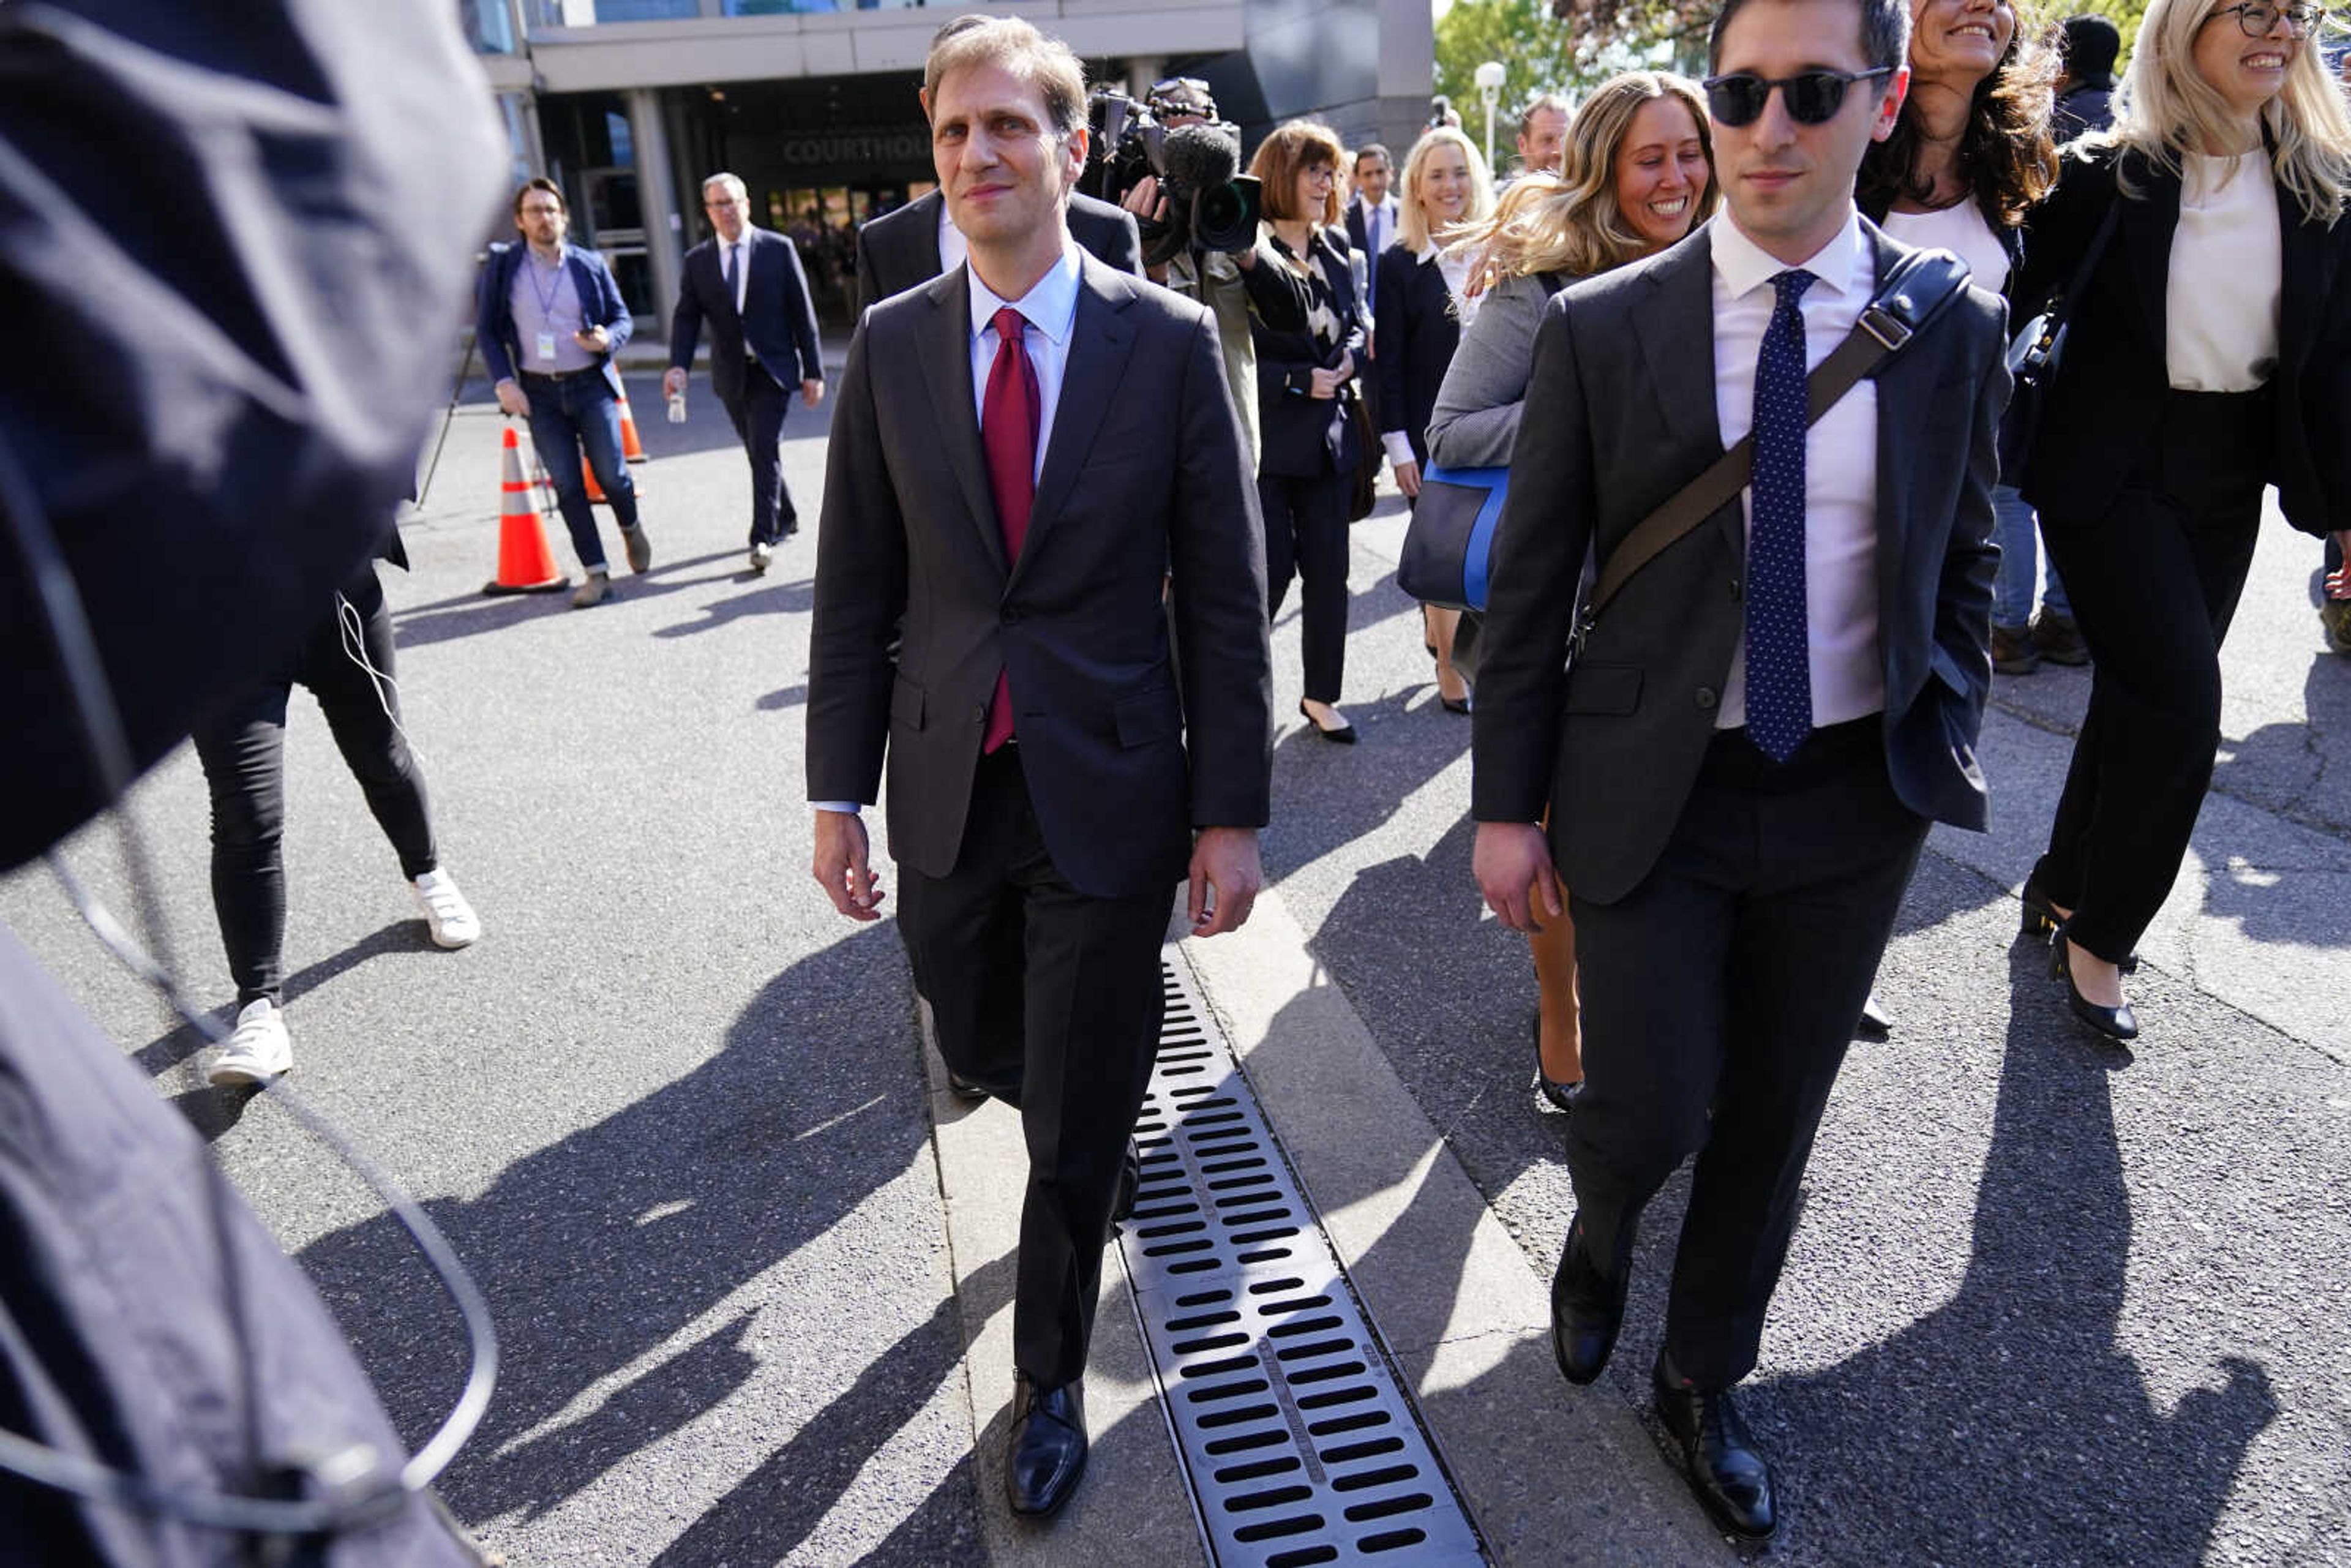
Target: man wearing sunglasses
column 1742, row 762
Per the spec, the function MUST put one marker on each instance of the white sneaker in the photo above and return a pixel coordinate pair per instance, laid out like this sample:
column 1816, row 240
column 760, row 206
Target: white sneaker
column 450, row 919
column 258, row 1050
column 761, row 554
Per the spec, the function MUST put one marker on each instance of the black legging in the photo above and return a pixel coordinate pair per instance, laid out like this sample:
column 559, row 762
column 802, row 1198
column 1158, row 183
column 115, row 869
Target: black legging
column 242, row 748
column 2153, row 583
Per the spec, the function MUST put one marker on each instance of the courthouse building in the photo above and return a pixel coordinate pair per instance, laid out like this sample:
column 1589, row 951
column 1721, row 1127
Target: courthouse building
column 628, row 103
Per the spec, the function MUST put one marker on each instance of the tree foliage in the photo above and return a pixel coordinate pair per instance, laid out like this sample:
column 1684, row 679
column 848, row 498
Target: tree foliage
column 1564, row 45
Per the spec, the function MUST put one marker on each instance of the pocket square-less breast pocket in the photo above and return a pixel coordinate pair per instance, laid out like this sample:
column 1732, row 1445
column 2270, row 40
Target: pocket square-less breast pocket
column 1603, row 689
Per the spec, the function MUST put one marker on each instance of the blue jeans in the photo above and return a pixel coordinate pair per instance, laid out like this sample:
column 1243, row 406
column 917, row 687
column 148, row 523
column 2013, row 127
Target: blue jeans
column 2017, row 532
column 570, row 415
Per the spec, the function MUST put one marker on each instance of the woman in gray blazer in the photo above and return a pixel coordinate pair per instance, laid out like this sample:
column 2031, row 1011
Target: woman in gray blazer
column 1637, row 176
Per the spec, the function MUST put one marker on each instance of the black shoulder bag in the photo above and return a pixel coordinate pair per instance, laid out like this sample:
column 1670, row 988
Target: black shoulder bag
column 2033, row 354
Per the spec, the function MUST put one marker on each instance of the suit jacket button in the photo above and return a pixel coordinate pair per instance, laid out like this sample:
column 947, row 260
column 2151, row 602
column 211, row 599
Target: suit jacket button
column 979, row 714
column 1011, row 617
column 1705, row 697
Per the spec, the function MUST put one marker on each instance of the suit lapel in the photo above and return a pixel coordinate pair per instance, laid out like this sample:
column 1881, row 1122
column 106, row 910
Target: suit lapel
column 1099, row 344
column 2302, row 283
column 946, row 374
column 2146, row 227
column 1677, row 347
column 1905, row 386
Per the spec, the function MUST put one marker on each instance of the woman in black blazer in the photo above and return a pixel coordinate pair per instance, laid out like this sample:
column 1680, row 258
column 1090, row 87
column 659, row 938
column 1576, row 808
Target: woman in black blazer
column 1310, row 448
column 2207, row 356
column 1444, row 186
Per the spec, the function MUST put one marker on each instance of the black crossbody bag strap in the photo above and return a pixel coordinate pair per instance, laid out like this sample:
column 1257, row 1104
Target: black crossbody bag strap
column 1914, row 293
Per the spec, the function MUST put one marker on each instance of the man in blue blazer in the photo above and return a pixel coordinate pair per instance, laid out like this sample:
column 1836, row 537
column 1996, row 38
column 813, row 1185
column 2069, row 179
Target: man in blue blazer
column 749, row 283
column 551, row 319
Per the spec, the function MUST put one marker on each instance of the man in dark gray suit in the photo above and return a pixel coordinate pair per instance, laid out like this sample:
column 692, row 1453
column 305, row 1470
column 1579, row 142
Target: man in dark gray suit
column 749, row 284
column 1742, row 762
column 1023, row 450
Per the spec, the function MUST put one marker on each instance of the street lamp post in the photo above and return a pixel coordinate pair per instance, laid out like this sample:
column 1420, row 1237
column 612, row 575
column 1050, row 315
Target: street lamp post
column 1489, row 77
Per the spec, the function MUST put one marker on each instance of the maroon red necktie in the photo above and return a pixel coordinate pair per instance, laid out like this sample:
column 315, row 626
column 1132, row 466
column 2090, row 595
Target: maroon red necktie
column 1008, row 419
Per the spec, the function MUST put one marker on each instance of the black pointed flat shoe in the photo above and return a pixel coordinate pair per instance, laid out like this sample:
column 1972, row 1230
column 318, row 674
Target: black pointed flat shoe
column 1450, row 705
column 2116, row 1023
column 1130, row 1180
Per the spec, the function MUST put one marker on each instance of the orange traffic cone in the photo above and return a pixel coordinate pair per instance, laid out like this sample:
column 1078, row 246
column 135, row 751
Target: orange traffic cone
column 596, row 497
column 632, row 449
column 525, row 563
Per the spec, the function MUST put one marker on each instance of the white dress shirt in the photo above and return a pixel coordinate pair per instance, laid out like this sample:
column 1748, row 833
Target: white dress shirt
column 2221, row 301
column 1050, row 307
column 1840, row 463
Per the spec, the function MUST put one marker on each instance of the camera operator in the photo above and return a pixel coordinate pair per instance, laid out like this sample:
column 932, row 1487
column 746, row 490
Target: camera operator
column 1229, row 283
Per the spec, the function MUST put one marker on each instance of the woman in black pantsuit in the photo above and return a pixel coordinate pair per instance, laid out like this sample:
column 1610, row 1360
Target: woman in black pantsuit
column 1306, row 419
column 2209, row 355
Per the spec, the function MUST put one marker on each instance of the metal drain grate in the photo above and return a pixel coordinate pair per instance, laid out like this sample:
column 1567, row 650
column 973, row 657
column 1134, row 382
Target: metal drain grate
column 1301, row 1446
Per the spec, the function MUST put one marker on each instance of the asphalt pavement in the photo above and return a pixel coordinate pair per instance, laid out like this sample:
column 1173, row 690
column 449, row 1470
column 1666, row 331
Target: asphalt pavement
column 2050, row 1302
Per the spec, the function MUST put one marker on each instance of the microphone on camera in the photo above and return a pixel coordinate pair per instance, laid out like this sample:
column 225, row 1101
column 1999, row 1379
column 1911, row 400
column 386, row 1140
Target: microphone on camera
column 1200, row 157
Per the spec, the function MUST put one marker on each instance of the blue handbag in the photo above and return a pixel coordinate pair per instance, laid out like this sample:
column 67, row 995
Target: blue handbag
column 1449, row 543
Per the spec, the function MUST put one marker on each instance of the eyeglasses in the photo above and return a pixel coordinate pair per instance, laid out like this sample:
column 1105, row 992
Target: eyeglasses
column 2257, row 20
column 1812, row 97
column 1321, row 174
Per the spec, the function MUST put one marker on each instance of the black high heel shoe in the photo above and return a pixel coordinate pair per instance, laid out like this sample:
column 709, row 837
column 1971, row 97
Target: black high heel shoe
column 2042, row 919
column 1345, row 735
column 1548, row 1091
column 2116, row 1023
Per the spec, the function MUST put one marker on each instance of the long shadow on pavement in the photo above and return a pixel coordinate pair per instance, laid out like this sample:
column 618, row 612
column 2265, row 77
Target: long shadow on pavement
column 2009, row 1425
column 598, row 1252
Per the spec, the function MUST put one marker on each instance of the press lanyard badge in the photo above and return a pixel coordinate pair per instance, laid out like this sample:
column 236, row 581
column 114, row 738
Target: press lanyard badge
column 544, row 344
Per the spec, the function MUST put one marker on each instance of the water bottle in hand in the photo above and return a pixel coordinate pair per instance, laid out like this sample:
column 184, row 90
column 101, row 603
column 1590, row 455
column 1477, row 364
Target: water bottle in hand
column 677, row 408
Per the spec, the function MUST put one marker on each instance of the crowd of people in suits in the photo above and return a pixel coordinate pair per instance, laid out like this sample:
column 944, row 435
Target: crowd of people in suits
column 1710, row 731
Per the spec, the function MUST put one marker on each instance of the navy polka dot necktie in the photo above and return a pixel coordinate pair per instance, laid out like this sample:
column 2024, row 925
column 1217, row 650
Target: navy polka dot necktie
column 1779, row 666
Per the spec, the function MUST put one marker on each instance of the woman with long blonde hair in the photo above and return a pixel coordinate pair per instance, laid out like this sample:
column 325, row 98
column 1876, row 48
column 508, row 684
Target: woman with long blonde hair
column 1444, row 188
column 2205, row 360
column 1637, row 176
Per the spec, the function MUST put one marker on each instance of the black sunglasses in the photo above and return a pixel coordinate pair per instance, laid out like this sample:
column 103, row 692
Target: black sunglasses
column 1813, row 97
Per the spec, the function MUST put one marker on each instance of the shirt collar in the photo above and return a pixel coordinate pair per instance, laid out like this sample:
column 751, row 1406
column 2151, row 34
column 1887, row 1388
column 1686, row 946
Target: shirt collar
column 1744, row 266
column 1049, row 307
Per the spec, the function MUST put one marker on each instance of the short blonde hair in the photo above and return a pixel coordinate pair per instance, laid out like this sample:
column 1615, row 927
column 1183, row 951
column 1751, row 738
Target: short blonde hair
column 2166, row 108
column 1281, row 157
column 1412, row 225
column 1046, row 63
column 1570, row 222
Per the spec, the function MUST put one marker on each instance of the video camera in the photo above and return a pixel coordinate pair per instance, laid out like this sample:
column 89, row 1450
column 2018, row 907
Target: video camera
column 1211, row 203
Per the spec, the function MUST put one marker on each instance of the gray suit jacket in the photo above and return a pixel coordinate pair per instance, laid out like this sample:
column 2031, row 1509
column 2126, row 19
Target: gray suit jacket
column 1620, row 414
column 1144, row 474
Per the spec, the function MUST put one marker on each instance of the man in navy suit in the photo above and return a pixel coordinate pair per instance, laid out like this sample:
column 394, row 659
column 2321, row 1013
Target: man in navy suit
column 749, row 282
column 550, row 320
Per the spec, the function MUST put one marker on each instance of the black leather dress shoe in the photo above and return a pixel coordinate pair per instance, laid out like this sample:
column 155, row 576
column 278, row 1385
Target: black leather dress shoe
column 964, row 1089
column 2116, row 1023
column 1587, row 1308
column 1047, row 1452
column 1732, row 1482
column 1130, row 1178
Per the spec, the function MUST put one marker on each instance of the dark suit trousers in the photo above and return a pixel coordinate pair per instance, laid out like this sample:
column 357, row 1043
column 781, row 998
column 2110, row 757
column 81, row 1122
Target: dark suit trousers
column 1050, row 1000
column 1306, row 536
column 1718, row 997
column 2160, row 574
column 758, row 416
